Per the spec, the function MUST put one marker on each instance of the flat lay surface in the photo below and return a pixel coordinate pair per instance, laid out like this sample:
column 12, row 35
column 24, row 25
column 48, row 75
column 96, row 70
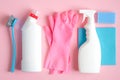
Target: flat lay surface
column 21, row 9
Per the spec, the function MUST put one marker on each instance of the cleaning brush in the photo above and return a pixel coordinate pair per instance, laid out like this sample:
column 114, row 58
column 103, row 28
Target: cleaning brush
column 11, row 23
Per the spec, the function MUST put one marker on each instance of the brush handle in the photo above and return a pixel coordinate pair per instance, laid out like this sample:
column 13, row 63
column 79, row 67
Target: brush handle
column 13, row 51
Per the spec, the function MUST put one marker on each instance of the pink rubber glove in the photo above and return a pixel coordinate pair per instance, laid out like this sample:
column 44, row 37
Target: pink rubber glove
column 59, row 34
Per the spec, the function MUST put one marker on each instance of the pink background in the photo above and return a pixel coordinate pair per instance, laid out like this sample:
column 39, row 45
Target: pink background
column 21, row 8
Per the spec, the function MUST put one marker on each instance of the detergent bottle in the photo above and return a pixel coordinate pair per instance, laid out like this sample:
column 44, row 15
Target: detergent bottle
column 89, row 57
column 31, row 44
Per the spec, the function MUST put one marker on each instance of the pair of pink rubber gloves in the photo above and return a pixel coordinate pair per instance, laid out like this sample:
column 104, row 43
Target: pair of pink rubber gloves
column 59, row 33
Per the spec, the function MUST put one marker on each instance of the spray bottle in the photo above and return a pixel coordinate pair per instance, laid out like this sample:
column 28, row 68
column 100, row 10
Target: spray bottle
column 89, row 57
column 31, row 44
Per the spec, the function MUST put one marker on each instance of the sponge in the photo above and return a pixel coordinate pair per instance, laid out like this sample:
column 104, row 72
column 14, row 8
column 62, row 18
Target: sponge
column 106, row 17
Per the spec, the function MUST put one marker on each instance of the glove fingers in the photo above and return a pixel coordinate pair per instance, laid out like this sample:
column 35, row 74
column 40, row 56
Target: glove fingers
column 48, row 34
column 51, row 22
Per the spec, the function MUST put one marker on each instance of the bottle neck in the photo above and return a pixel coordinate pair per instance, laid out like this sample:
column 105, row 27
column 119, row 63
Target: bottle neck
column 31, row 19
column 90, row 28
column 33, row 16
column 91, row 20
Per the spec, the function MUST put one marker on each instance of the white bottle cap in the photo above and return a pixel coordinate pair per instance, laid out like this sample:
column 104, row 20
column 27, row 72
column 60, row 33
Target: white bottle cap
column 35, row 12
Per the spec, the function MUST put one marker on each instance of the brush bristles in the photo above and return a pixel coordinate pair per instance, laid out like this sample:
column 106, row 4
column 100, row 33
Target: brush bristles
column 10, row 21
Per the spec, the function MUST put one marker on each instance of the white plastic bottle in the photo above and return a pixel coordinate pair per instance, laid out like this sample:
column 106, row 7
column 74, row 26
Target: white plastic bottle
column 89, row 57
column 31, row 44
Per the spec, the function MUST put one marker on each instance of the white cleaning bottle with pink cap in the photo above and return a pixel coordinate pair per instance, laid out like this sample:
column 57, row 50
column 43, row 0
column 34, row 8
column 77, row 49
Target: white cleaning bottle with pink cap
column 89, row 57
column 31, row 44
